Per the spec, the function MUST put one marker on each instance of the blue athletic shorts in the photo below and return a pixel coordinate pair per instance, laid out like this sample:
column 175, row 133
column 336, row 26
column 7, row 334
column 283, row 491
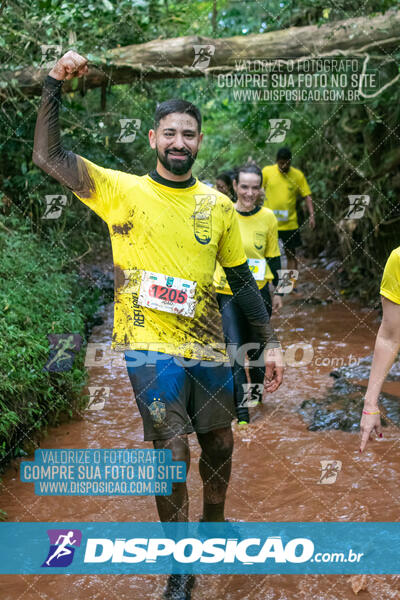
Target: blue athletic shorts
column 177, row 399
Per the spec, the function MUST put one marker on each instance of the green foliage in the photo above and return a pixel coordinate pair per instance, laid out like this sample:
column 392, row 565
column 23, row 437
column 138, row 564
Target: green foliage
column 93, row 27
column 40, row 294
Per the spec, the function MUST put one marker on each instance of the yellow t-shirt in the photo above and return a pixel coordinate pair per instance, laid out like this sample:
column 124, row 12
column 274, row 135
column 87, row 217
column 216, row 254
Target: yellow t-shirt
column 165, row 244
column 259, row 233
column 390, row 285
column 281, row 191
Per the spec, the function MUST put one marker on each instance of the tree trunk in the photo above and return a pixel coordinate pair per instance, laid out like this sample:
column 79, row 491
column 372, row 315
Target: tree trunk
column 214, row 17
column 173, row 58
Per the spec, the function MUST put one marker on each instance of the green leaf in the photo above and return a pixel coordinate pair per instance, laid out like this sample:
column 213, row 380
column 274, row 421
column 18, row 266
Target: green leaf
column 107, row 5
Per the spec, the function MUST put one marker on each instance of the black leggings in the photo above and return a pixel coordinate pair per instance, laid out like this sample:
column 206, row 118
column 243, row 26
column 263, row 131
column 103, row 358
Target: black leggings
column 237, row 331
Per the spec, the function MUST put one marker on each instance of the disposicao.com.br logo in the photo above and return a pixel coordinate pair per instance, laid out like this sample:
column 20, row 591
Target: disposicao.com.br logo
column 188, row 550
column 223, row 550
column 191, row 550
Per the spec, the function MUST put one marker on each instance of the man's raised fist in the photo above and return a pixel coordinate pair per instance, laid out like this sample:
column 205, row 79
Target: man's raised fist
column 69, row 66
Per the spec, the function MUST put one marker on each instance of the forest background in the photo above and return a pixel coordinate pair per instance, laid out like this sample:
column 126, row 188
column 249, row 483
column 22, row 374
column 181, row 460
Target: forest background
column 343, row 148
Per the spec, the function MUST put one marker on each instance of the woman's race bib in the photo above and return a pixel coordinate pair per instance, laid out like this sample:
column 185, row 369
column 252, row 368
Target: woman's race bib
column 257, row 267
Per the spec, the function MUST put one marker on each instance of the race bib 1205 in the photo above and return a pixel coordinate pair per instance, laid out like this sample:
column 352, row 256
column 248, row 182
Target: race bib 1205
column 170, row 294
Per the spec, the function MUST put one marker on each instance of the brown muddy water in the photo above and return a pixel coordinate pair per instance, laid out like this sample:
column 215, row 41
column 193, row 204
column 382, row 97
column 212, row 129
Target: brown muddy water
column 275, row 475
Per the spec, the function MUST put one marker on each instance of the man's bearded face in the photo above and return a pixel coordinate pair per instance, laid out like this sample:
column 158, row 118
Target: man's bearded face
column 177, row 161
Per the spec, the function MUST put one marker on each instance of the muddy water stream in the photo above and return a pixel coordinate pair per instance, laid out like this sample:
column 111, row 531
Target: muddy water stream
column 276, row 470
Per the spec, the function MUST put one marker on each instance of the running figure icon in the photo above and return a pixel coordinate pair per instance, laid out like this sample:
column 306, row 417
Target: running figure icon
column 62, row 549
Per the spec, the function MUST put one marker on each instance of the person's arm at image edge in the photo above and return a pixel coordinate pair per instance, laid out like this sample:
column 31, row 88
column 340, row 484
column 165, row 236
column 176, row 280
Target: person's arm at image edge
column 387, row 345
column 310, row 208
column 305, row 192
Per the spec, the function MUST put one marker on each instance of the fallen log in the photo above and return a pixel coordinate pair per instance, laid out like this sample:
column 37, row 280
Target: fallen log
column 176, row 58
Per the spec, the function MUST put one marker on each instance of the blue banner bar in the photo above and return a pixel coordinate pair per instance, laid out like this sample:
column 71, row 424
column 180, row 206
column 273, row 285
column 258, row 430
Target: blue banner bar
column 213, row 548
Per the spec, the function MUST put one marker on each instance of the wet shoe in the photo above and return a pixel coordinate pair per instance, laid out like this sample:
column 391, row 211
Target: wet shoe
column 179, row 587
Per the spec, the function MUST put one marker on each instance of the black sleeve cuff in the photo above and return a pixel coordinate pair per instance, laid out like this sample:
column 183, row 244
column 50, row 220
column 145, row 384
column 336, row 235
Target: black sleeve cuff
column 246, row 293
column 51, row 82
column 274, row 264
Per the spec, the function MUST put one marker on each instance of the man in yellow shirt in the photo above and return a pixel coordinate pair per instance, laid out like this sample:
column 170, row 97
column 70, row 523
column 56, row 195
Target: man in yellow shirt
column 386, row 347
column 167, row 230
column 283, row 184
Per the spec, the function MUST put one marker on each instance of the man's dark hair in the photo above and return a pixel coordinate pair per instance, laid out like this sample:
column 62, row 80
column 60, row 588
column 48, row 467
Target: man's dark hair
column 284, row 153
column 176, row 105
column 249, row 168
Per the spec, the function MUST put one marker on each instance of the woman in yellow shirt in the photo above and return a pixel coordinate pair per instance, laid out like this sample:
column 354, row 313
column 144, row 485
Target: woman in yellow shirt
column 259, row 230
column 386, row 347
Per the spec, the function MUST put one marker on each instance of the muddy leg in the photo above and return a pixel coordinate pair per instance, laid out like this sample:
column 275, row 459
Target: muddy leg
column 215, row 470
column 176, row 506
